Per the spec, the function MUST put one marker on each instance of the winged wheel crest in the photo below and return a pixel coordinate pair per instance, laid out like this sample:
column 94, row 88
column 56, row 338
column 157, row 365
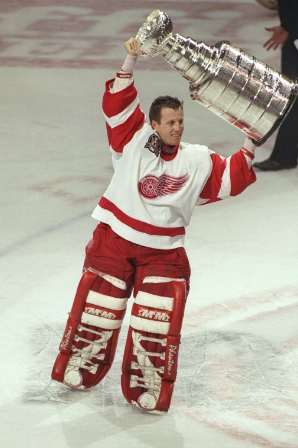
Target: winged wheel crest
column 152, row 186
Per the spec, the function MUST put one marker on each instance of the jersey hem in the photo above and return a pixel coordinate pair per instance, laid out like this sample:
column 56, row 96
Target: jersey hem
column 134, row 236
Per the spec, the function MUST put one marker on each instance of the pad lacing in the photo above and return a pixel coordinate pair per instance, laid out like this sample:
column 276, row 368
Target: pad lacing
column 81, row 357
column 151, row 380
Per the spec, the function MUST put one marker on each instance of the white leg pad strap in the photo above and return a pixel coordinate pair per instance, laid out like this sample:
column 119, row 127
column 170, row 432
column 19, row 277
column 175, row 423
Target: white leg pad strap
column 99, row 308
column 121, row 284
column 100, row 322
column 149, row 326
column 162, row 280
column 153, row 301
column 95, row 298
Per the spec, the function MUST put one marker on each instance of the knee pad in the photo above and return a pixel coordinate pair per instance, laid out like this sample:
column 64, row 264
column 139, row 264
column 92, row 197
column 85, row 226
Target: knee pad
column 90, row 338
column 151, row 353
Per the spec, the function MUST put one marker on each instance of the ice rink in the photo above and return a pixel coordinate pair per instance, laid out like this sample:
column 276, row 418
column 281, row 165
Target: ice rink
column 238, row 367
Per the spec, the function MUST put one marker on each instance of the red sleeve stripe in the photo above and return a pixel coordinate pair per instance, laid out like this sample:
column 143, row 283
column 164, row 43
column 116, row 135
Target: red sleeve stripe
column 114, row 103
column 241, row 175
column 121, row 135
column 225, row 188
column 120, row 118
column 137, row 225
column 213, row 185
column 229, row 177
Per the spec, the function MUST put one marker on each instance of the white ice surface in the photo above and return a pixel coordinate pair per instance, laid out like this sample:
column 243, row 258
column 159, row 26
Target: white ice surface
column 237, row 375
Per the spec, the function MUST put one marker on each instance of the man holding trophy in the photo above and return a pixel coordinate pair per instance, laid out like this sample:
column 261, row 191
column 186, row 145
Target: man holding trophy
column 138, row 246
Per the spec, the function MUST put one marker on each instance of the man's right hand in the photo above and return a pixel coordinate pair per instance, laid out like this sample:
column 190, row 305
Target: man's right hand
column 131, row 46
column 277, row 39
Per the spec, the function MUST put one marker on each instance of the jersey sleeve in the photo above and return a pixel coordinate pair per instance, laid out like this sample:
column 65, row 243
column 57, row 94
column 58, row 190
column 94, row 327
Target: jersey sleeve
column 229, row 177
column 123, row 116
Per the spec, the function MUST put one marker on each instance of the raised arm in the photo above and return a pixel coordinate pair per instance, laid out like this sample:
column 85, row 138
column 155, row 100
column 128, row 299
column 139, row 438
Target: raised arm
column 121, row 104
column 125, row 75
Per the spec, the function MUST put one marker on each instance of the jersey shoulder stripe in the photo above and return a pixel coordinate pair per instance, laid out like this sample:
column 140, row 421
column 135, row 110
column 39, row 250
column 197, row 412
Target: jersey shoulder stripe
column 121, row 135
column 120, row 118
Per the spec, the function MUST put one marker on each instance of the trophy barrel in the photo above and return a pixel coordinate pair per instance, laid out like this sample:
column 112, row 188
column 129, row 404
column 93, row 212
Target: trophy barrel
column 234, row 85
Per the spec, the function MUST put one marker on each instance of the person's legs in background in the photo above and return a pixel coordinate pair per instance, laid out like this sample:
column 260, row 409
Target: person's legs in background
column 285, row 151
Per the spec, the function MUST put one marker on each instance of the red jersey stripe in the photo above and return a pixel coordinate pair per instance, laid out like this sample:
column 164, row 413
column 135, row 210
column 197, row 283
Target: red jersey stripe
column 114, row 103
column 121, row 135
column 140, row 226
column 212, row 187
column 241, row 175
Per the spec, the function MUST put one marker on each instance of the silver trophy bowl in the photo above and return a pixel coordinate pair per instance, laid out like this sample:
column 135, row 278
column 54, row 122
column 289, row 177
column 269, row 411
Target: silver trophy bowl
column 154, row 33
column 237, row 87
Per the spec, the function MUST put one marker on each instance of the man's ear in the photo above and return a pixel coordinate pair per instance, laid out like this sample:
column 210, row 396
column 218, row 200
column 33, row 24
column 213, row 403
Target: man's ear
column 153, row 124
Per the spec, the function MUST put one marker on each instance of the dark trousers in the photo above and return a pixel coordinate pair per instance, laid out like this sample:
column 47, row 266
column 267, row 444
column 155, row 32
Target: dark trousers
column 285, row 150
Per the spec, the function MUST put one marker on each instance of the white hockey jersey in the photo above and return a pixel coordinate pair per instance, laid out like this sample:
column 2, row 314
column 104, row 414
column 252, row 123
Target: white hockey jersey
column 150, row 199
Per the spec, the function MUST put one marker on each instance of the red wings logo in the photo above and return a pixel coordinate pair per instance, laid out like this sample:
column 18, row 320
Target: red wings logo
column 152, row 186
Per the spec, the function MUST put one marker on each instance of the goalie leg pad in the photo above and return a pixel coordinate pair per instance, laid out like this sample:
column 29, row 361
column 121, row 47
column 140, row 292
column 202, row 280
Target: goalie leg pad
column 151, row 352
column 90, row 338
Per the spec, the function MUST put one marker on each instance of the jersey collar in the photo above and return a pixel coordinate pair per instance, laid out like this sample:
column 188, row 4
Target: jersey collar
column 168, row 153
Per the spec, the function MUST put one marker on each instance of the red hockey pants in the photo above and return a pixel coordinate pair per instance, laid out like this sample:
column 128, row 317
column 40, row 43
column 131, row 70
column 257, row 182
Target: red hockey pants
column 111, row 254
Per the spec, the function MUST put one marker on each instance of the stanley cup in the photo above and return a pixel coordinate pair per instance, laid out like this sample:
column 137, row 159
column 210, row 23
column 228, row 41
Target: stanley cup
column 232, row 84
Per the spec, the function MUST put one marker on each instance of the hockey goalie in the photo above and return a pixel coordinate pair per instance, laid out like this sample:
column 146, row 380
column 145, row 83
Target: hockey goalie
column 137, row 248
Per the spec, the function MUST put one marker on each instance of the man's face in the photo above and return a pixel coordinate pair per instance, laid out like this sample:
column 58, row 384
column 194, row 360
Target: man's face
column 171, row 126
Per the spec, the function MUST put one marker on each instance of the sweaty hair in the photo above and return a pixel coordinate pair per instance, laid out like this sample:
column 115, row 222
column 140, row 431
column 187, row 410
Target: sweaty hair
column 159, row 103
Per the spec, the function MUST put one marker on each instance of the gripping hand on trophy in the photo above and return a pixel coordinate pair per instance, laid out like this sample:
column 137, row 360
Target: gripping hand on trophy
column 131, row 46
